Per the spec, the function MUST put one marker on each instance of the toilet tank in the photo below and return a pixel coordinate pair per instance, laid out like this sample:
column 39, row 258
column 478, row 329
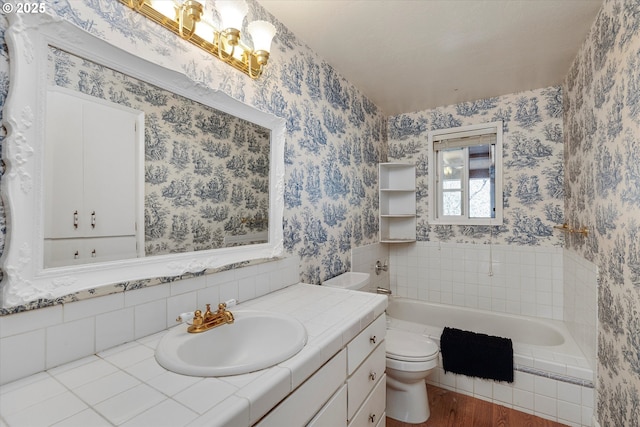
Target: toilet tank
column 349, row 280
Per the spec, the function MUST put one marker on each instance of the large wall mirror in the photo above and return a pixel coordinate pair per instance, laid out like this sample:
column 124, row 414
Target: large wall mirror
column 119, row 169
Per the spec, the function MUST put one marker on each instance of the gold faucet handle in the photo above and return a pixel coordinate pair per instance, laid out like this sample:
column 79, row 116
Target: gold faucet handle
column 226, row 314
column 197, row 318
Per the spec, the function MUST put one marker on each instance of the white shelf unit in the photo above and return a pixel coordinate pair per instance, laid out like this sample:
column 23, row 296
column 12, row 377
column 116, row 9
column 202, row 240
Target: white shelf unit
column 397, row 202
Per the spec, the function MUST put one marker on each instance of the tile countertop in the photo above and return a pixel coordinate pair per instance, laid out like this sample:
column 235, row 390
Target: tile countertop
column 125, row 385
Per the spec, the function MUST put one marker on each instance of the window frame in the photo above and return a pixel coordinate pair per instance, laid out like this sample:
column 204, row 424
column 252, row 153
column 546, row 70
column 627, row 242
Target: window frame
column 436, row 196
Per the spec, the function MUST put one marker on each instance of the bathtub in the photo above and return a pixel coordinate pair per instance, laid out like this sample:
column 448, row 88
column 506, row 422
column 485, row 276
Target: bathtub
column 546, row 358
column 520, row 329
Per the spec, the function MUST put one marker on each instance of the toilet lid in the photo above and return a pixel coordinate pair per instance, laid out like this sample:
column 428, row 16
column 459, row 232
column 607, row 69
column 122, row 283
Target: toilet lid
column 409, row 346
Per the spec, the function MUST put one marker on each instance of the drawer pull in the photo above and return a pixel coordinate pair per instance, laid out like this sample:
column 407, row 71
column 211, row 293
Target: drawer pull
column 373, row 376
column 373, row 339
column 372, row 418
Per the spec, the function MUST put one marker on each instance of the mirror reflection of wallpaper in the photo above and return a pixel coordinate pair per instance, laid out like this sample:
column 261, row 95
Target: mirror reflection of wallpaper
column 206, row 172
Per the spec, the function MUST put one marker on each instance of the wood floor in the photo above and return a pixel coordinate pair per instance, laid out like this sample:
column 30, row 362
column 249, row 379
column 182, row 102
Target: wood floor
column 449, row 409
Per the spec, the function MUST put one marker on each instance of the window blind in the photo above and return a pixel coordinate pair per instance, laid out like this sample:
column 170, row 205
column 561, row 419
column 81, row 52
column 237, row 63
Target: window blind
column 464, row 139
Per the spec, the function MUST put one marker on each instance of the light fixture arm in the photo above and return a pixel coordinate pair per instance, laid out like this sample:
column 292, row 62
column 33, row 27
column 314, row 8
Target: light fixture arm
column 135, row 4
column 228, row 37
column 182, row 17
column 257, row 59
column 189, row 15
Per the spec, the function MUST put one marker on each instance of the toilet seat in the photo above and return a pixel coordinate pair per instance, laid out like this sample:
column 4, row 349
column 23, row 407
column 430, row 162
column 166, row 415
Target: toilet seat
column 409, row 347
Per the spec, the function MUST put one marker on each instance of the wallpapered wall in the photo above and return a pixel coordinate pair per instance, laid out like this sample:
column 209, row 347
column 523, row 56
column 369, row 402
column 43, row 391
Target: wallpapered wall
column 335, row 136
column 206, row 172
column 602, row 186
column 532, row 165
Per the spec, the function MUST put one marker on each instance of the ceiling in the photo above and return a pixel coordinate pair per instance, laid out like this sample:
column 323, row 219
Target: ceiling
column 412, row 55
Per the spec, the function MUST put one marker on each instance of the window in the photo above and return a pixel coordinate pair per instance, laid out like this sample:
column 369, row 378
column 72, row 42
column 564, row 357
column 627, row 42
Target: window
column 465, row 169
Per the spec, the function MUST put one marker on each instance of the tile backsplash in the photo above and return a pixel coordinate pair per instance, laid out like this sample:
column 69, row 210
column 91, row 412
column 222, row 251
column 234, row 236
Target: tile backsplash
column 35, row 340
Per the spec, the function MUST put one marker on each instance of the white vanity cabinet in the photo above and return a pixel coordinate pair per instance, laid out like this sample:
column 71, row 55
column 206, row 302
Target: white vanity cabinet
column 366, row 383
column 348, row 391
column 397, row 186
column 309, row 399
column 92, row 160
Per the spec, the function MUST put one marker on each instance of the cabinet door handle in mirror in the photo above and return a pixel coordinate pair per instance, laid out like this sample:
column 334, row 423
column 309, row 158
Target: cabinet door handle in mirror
column 372, row 418
column 373, row 339
column 75, row 220
column 76, row 255
column 93, row 219
column 373, row 375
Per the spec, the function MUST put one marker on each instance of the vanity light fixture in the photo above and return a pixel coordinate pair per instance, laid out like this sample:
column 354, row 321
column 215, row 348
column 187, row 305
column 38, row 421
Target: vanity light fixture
column 185, row 19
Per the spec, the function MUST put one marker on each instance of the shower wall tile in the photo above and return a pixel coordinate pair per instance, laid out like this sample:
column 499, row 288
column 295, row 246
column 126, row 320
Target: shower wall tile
column 523, row 280
column 580, row 309
column 364, row 258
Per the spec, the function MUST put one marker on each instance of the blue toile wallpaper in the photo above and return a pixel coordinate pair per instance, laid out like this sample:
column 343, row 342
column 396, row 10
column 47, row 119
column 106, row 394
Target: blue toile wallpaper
column 572, row 153
column 206, row 172
column 532, row 165
column 335, row 136
column 602, row 187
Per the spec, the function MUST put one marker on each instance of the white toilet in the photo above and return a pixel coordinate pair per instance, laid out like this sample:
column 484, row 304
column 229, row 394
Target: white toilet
column 410, row 359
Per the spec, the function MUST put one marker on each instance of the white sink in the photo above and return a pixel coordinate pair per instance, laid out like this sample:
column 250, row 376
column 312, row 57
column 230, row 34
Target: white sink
column 256, row 340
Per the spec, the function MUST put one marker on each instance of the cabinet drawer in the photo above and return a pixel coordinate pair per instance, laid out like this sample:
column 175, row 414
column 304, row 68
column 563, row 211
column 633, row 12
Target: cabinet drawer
column 334, row 413
column 365, row 378
column 308, row 399
column 360, row 347
column 62, row 252
column 373, row 409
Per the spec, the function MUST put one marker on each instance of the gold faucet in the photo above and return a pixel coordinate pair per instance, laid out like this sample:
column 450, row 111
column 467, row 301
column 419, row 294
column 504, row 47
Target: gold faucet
column 209, row 320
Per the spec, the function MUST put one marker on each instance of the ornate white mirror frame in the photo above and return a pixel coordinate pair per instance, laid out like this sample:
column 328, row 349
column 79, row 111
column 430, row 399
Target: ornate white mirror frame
column 25, row 279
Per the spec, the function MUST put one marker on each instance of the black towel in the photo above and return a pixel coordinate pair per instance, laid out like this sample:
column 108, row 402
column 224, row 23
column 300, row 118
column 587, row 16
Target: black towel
column 477, row 355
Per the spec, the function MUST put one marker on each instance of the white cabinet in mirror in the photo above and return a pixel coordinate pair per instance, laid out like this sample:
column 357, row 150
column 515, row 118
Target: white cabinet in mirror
column 93, row 210
column 139, row 226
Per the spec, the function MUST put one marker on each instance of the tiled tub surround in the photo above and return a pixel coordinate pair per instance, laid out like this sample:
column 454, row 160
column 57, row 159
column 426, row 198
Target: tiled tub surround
column 552, row 382
column 545, row 282
column 580, row 302
column 514, row 279
column 364, row 258
column 124, row 385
